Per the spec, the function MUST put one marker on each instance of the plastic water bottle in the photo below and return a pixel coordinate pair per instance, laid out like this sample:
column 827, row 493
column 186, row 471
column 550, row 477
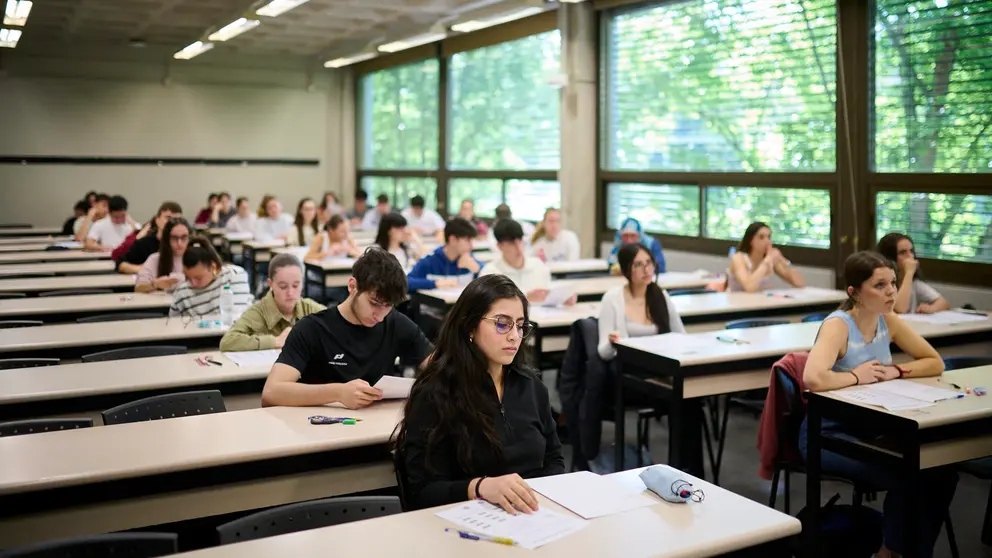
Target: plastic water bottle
column 227, row 306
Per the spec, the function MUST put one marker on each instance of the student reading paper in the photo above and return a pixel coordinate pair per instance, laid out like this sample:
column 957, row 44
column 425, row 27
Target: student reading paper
column 478, row 421
column 335, row 356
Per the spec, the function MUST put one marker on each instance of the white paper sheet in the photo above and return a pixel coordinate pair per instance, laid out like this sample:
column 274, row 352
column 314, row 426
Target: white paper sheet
column 254, row 358
column 239, row 235
column 590, row 495
column 528, row 531
column 947, row 317
column 916, row 390
column 803, row 293
column 884, row 399
column 558, row 295
column 69, row 244
column 394, row 387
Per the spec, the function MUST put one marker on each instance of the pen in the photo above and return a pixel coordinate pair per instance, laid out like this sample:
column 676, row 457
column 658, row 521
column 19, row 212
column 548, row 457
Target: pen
column 952, row 384
column 478, row 537
column 731, row 340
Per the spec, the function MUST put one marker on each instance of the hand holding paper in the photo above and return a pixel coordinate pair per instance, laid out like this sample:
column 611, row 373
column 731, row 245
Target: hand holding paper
column 394, row 387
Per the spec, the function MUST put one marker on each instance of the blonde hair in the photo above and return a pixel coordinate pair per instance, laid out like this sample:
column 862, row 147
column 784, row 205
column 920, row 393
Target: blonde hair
column 539, row 231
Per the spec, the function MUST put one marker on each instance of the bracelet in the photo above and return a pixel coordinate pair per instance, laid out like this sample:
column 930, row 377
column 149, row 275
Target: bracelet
column 477, row 485
column 857, row 380
column 902, row 373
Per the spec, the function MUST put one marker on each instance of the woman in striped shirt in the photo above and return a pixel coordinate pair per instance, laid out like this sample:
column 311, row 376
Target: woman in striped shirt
column 206, row 277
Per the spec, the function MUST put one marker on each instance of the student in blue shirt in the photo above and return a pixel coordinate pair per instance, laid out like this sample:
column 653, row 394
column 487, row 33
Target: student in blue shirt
column 631, row 231
column 448, row 261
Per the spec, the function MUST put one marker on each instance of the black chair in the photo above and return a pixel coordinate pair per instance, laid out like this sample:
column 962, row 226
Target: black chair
column 307, row 515
column 8, row 296
column 118, row 317
column 135, row 352
column 982, row 468
column 76, row 292
column 20, row 427
column 815, row 317
column 753, row 322
column 680, row 292
column 12, row 324
column 959, row 362
column 399, row 467
column 55, row 248
column 131, row 545
column 13, row 363
column 170, row 405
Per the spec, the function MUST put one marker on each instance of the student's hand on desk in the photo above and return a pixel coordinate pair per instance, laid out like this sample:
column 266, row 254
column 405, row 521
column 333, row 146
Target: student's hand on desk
column 165, row 283
column 613, row 336
column 572, row 299
column 358, row 393
column 466, row 261
column 924, row 308
column 445, row 284
column 538, row 295
column 891, row 373
column 870, row 372
column 509, row 492
column 281, row 338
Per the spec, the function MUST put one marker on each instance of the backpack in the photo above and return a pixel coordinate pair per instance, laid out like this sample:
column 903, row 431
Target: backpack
column 845, row 530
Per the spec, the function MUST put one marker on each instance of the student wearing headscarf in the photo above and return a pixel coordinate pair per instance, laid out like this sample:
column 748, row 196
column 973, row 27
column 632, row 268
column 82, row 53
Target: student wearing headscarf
column 630, row 231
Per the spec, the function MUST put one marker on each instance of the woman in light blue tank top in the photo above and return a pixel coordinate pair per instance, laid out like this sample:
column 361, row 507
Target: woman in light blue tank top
column 852, row 348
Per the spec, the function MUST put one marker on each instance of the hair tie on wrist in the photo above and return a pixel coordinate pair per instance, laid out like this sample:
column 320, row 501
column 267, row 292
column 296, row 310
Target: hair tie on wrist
column 478, row 496
column 857, row 380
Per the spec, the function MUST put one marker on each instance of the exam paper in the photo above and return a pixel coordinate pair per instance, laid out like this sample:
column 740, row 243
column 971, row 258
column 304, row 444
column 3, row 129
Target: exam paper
column 254, row 358
column 590, row 495
column 884, row 399
column 947, row 317
column 528, row 531
column 239, row 235
column 557, row 296
column 916, row 390
column 69, row 244
column 394, row 387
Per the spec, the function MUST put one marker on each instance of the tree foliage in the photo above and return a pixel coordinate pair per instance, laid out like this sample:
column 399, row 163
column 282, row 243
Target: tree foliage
column 398, row 117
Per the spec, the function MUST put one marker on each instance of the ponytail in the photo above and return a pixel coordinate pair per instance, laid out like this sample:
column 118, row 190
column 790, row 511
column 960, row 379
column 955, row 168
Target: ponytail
column 199, row 252
column 657, row 308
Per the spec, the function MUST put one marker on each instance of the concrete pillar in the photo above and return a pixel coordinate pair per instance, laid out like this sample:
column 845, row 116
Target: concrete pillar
column 339, row 161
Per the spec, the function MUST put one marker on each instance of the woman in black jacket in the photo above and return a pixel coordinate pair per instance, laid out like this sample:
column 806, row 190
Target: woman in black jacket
column 478, row 421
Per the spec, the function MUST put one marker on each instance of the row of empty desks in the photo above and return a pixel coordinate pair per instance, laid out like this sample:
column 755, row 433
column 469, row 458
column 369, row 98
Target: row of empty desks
column 42, row 255
column 29, row 231
column 31, row 286
column 44, row 240
column 81, row 267
column 54, row 309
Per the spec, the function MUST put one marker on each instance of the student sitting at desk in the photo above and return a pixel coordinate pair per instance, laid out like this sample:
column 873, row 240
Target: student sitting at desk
column 440, row 269
column 222, row 211
column 631, row 232
column 203, row 216
column 163, row 270
column 132, row 254
column 370, row 221
column 329, row 207
column 394, row 237
column 467, row 212
column 637, row 309
column 272, row 223
column 79, row 212
column 333, row 242
column 552, row 243
column 206, row 277
column 305, row 226
column 335, row 356
column 244, row 220
column 914, row 294
column 852, row 348
column 98, row 210
column 422, row 220
column 530, row 274
column 357, row 213
column 504, row 213
column 267, row 324
column 478, row 421
column 756, row 260
column 107, row 233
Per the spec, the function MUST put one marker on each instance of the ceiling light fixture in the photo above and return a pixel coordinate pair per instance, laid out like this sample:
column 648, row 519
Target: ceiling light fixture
column 404, row 44
column 349, row 60
column 234, row 29
column 9, row 37
column 476, row 24
column 571, row 1
column 193, row 50
column 16, row 12
column 276, row 8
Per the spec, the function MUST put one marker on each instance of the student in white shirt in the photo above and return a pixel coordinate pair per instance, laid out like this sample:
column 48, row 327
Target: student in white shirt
column 206, row 276
column 530, row 274
column 503, row 213
column 272, row 223
column 98, row 210
column 329, row 206
column 423, row 221
column 395, row 238
column 244, row 220
column 915, row 295
column 334, row 241
column 370, row 222
column 305, row 225
column 107, row 233
column 639, row 308
column 551, row 243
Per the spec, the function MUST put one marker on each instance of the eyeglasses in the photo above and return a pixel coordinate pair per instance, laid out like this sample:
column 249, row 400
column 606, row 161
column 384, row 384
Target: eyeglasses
column 505, row 323
column 642, row 265
column 183, row 238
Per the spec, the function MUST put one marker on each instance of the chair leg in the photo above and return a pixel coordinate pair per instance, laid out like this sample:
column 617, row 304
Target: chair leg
column 773, row 493
column 709, row 444
column 723, row 441
column 788, row 493
column 951, row 539
column 858, row 497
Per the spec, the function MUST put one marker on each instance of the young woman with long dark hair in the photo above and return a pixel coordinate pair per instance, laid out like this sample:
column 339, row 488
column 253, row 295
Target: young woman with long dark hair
column 163, row 270
column 305, row 225
column 915, row 295
column 394, row 237
column 757, row 260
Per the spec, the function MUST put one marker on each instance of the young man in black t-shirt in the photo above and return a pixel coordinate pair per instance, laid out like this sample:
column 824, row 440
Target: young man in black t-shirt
column 337, row 355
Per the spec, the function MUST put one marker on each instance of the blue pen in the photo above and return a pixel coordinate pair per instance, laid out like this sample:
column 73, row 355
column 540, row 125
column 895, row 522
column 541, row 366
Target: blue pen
column 731, row 340
column 478, row 537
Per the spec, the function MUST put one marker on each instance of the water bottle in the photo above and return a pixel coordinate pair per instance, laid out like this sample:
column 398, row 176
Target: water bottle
column 227, row 306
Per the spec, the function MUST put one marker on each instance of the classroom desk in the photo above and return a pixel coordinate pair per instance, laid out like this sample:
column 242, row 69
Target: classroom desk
column 86, row 389
column 117, row 282
column 75, row 340
column 951, row 431
column 25, row 247
column 51, row 256
column 58, row 268
column 723, row 523
column 127, row 476
column 66, row 309
column 6, row 240
column 254, row 252
column 29, row 231
column 685, row 368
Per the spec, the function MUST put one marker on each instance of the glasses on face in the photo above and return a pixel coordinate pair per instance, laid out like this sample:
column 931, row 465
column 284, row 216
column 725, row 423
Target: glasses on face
column 643, row 265
column 505, row 323
column 181, row 238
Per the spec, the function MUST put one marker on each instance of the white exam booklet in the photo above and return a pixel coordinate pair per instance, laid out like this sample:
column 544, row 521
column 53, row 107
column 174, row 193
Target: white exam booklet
column 394, row 387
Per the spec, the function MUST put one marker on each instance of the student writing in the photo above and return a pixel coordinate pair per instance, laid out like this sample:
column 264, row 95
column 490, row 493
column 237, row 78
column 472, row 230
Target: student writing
column 163, row 270
column 206, row 276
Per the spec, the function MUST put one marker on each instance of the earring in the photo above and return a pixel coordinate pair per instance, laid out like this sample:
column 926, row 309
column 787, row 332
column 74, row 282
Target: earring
column 471, row 339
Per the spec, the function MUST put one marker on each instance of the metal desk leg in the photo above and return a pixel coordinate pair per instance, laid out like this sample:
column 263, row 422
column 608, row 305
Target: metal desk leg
column 618, row 418
column 685, row 442
column 813, row 448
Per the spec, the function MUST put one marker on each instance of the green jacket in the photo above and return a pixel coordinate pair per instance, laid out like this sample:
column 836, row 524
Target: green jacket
column 259, row 326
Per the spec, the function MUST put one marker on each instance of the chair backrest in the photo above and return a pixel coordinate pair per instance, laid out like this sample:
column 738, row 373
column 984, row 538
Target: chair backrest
column 791, row 409
column 680, row 292
column 12, row 363
column 753, row 322
column 816, row 317
column 11, row 324
column 135, row 352
column 120, row 316
column 75, row 292
column 169, row 405
column 399, row 467
column 959, row 362
column 13, row 295
column 20, row 427
column 131, row 545
column 307, row 515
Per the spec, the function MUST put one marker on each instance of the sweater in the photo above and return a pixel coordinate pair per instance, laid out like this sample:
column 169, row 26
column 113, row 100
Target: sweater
column 259, row 326
column 613, row 317
column 432, row 266
column 771, row 450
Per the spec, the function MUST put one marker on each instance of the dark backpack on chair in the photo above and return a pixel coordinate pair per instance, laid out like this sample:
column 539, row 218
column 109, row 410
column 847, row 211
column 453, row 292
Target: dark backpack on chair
column 845, row 530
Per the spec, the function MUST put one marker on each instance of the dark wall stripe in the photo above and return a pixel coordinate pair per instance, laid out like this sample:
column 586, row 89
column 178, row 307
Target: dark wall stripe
column 153, row 161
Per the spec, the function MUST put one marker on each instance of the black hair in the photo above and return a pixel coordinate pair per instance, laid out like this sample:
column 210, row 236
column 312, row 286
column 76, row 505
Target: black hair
column 81, row 205
column 508, row 229
column 222, row 194
column 417, row 201
column 199, row 252
column 323, row 199
column 858, row 268
column 361, row 194
column 888, row 246
column 459, row 227
column 240, row 199
column 165, row 255
column 745, row 246
column 212, row 196
column 117, row 203
column 280, row 261
column 377, row 271
column 654, row 297
column 101, row 198
column 382, row 198
column 171, row 207
column 298, row 222
column 389, row 221
column 333, row 222
column 88, row 194
column 457, row 385
column 503, row 212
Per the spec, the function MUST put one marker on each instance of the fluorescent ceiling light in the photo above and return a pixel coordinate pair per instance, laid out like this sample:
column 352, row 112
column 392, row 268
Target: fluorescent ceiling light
column 570, row 1
column 349, row 60
column 9, row 37
column 476, row 24
column 193, row 50
column 276, row 8
column 234, row 29
column 397, row 46
column 17, row 12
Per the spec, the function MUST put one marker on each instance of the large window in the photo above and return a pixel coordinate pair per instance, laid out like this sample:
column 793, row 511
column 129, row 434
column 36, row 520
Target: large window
column 660, row 208
column 527, row 198
column 398, row 117
column 942, row 226
column 932, row 86
column 400, row 189
column 797, row 217
column 721, row 85
column 503, row 115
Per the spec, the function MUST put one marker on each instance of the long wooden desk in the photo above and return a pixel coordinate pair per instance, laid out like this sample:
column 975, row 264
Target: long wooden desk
column 74, row 340
column 724, row 522
column 24, row 247
column 58, row 268
column 51, row 256
column 6, row 240
column 951, row 431
column 112, row 478
column 685, row 368
column 30, row 231
column 66, row 309
column 116, row 282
